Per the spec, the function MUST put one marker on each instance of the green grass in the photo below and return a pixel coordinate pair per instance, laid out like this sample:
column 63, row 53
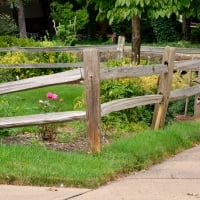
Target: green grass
column 26, row 102
column 36, row 165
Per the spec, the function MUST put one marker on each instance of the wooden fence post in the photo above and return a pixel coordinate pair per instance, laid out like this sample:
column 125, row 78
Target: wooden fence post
column 93, row 106
column 164, row 88
column 197, row 101
column 120, row 46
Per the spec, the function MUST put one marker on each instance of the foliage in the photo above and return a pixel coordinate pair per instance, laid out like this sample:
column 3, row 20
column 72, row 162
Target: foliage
column 66, row 33
column 68, row 22
column 131, row 119
column 178, row 108
column 127, row 88
column 7, row 25
column 192, row 10
column 22, row 57
column 121, row 10
column 195, row 34
column 181, row 80
column 18, row 73
column 125, row 9
column 8, row 109
column 9, row 41
column 6, row 76
column 165, row 30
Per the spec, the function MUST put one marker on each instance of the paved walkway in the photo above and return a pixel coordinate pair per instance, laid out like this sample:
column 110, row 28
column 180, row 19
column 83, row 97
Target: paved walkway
column 176, row 178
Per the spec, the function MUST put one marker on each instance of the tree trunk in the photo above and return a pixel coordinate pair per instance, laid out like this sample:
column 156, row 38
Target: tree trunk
column 136, row 38
column 186, row 28
column 21, row 20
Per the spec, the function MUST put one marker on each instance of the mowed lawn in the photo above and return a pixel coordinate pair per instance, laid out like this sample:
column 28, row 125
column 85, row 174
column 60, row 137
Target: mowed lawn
column 27, row 102
column 36, row 165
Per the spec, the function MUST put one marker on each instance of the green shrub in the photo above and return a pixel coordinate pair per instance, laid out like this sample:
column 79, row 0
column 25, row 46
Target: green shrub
column 126, row 88
column 7, row 25
column 165, row 30
column 9, row 41
column 68, row 22
column 22, row 57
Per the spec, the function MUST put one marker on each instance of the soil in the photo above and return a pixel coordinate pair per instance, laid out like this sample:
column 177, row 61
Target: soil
column 78, row 144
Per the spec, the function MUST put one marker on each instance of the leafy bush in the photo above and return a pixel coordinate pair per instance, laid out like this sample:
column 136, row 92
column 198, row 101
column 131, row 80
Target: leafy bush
column 165, row 30
column 9, row 41
column 21, row 57
column 68, row 22
column 7, row 25
column 126, row 88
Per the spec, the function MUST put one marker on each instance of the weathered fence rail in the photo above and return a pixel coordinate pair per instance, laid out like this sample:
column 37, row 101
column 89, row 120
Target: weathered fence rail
column 29, row 120
column 70, row 76
column 90, row 71
column 108, row 48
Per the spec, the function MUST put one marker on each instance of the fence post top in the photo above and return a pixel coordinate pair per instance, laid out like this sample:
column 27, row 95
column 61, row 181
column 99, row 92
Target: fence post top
column 92, row 49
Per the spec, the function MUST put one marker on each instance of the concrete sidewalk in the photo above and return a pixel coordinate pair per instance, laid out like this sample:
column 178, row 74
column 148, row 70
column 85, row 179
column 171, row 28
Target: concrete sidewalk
column 176, row 178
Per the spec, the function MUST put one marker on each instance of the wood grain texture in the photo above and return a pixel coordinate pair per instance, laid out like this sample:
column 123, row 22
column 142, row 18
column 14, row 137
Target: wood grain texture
column 41, row 81
column 184, row 93
column 29, row 120
column 130, row 71
column 92, row 91
column 164, row 88
column 188, row 65
column 43, row 65
column 122, row 104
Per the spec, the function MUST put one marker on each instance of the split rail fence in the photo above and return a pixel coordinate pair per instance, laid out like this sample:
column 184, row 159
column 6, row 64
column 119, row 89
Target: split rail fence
column 90, row 72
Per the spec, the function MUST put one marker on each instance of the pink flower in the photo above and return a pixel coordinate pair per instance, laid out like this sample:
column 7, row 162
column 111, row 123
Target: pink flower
column 50, row 95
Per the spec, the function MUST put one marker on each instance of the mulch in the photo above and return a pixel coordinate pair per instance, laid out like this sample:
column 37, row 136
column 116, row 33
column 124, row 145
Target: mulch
column 79, row 144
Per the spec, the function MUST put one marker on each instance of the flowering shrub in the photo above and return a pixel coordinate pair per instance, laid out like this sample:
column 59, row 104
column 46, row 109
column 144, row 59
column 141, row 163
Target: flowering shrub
column 51, row 104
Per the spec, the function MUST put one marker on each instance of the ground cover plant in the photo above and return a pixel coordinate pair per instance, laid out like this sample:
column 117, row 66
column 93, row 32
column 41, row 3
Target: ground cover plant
column 37, row 165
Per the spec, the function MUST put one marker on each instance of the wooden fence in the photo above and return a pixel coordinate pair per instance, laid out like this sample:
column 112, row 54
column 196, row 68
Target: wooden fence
column 91, row 73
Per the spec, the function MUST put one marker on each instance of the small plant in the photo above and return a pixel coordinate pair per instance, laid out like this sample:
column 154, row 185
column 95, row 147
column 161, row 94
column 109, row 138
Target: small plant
column 66, row 33
column 51, row 104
